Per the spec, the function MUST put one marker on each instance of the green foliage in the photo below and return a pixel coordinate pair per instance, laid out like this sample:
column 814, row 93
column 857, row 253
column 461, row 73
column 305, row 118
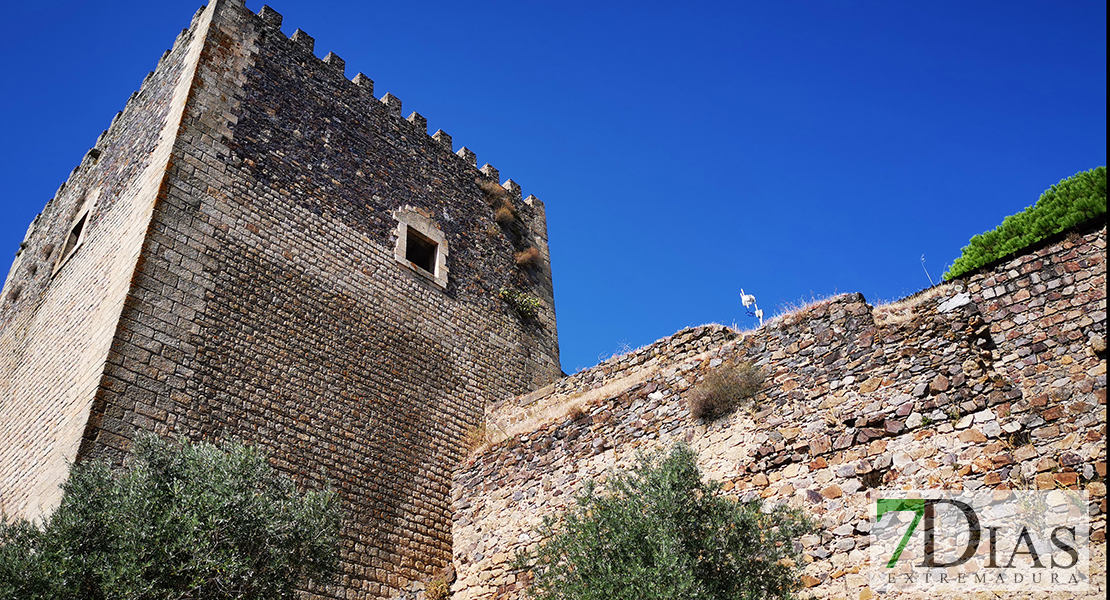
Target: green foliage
column 1072, row 201
column 660, row 532
column 524, row 304
column 191, row 521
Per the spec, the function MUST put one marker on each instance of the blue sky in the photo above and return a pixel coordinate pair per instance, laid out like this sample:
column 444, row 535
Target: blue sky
column 683, row 150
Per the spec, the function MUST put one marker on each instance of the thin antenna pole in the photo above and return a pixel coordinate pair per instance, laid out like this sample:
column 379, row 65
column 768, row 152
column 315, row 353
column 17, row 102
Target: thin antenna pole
column 931, row 284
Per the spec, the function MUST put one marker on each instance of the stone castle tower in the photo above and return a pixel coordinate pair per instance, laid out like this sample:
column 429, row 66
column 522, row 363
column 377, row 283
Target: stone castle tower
column 259, row 249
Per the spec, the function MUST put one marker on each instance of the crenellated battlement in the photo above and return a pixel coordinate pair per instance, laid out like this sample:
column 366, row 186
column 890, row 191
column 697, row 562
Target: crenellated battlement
column 259, row 248
column 271, row 20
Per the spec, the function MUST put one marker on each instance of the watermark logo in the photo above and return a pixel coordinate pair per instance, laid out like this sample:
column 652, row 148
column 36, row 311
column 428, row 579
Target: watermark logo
column 993, row 540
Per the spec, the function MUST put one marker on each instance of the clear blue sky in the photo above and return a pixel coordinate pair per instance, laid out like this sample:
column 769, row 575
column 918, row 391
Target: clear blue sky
column 684, row 149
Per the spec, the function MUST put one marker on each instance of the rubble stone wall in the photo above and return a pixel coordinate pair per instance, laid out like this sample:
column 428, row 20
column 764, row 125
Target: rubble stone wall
column 514, row 414
column 996, row 380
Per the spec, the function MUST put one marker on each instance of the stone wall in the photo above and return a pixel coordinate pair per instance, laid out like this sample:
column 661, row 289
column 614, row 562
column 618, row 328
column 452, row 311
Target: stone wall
column 58, row 315
column 996, row 380
column 269, row 305
column 243, row 277
column 515, row 415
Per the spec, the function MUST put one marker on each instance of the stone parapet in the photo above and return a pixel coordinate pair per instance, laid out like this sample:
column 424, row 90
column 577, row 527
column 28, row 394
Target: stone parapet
column 996, row 381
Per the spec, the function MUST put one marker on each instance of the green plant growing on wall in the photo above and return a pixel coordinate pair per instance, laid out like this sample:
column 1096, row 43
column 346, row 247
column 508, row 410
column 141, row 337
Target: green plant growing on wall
column 1072, row 201
column 180, row 521
column 525, row 305
column 724, row 389
column 659, row 531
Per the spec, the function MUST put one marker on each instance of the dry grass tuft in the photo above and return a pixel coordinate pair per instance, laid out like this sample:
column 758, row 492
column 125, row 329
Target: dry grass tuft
column 492, row 189
column 801, row 306
column 556, row 408
column 437, row 590
column 528, row 257
column 902, row 311
column 724, row 389
column 504, row 215
column 475, row 438
column 575, row 412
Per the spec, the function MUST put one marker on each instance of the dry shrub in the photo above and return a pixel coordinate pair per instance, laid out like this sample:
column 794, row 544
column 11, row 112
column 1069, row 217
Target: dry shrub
column 492, row 189
column 474, row 437
column 575, row 412
column 724, row 389
column 527, row 257
column 504, row 215
column 437, row 590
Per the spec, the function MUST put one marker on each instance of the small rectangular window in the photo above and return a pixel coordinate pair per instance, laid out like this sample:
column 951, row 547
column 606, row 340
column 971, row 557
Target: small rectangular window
column 421, row 251
column 420, row 245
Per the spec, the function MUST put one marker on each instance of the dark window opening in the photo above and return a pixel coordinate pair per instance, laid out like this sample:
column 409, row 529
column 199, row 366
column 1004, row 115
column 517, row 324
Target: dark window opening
column 74, row 236
column 421, row 251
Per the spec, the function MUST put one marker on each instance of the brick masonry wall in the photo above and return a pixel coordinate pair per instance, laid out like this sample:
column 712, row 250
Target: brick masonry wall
column 56, row 327
column 268, row 305
column 996, row 380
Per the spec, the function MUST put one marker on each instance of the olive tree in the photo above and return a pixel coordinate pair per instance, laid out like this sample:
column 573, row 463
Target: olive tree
column 179, row 520
column 659, row 531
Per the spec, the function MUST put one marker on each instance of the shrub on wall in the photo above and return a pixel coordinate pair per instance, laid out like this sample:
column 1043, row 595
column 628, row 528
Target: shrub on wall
column 525, row 305
column 188, row 521
column 724, row 389
column 528, row 257
column 492, row 189
column 1072, row 201
column 660, row 532
column 504, row 215
column 437, row 589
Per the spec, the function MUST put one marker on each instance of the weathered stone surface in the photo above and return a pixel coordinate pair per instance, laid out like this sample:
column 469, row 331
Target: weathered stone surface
column 242, row 275
column 240, row 278
column 946, row 414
